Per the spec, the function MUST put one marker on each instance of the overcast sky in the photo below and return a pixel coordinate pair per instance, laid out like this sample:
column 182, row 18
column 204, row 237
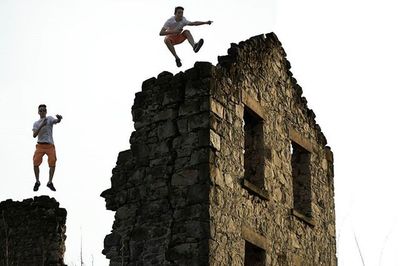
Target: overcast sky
column 86, row 59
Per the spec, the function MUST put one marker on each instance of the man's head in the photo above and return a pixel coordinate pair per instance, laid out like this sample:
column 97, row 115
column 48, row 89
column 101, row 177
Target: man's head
column 42, row 110
column 178, row 13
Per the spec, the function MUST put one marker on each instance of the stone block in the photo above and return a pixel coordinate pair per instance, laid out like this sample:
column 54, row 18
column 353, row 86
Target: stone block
column 167, row 129
column 189, row 108
column 200, row 121
column 173, row 96
column 192, row 212
column 204, row 69
column 181, row 251
column 148, row 83
column 182, row 125
column 198, row 194
column 197, row 88
column 186, row 177
column 215, row 140
column 200, row 156
column 168, row 114
column 217, row 108
column 164, row 77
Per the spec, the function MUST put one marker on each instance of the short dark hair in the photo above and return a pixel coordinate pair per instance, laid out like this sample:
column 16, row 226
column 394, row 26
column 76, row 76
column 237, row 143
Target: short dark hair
column 42, row 105
column 178, row 7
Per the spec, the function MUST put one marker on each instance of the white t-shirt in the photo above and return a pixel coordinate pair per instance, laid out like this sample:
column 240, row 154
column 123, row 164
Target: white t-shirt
column 46, row 133
column 172, row 24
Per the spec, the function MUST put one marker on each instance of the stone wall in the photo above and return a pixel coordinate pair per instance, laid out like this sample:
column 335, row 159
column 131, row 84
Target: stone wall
column 32, row 232
column 227, row 166
column 160, row 187
column 256, row 79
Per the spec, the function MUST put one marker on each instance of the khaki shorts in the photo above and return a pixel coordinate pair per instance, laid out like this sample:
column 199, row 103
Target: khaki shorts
column 176, row 38
column 41, row 150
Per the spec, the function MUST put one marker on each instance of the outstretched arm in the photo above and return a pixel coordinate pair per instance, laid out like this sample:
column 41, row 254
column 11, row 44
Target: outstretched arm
column 59, row 117
column 197, row 23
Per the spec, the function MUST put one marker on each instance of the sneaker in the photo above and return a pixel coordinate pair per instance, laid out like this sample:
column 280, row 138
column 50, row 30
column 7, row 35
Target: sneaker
column 178, row 62
column 36, row 187
column 51, row 186
column 198, row 45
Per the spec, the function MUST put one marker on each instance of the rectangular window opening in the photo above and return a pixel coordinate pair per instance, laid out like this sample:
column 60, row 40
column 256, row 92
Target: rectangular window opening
column 253, row 148
column 301, row 173
column 254, row 256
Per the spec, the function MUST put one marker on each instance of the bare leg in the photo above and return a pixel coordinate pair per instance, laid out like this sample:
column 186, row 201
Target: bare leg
column 171, row 48
column 36, row 170
column 51, row 173
column 189, row 37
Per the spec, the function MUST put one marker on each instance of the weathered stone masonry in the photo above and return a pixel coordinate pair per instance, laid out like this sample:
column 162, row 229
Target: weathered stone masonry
column 32, row 232
column 227, row 166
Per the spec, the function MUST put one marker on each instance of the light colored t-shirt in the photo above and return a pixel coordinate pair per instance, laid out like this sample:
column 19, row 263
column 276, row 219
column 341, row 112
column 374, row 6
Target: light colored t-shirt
column 46, row 133
column 172, row 24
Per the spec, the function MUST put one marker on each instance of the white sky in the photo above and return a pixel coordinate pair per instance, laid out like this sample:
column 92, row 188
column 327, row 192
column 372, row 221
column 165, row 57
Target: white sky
column 85, row 59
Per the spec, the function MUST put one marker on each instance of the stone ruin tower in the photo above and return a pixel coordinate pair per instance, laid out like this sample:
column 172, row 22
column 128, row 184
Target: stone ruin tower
column 32, row 232
column 227, row 166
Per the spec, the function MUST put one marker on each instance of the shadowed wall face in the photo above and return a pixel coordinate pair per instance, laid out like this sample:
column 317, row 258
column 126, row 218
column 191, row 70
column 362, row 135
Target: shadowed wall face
column 32, row 232
column 160, row 186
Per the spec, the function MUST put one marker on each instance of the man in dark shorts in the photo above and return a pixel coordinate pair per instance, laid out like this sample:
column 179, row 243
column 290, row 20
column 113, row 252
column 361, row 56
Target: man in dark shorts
column 174, row 33
column 43, row 130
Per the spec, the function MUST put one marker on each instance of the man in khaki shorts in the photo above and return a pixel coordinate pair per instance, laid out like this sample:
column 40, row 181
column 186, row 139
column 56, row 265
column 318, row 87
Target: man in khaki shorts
column 43, row 130
column 174, row 33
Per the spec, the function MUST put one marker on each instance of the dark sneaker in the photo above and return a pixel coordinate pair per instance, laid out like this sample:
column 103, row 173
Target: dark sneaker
column 178, row 62
column 51, row 186
column 36, row 187
column 198, row 45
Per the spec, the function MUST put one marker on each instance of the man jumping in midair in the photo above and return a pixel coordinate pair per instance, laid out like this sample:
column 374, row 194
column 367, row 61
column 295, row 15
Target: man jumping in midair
column 43, row 130
column 174, row 33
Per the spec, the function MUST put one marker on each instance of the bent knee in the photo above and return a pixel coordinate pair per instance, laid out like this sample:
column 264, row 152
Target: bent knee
column 186, row 32
column 167, row 41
